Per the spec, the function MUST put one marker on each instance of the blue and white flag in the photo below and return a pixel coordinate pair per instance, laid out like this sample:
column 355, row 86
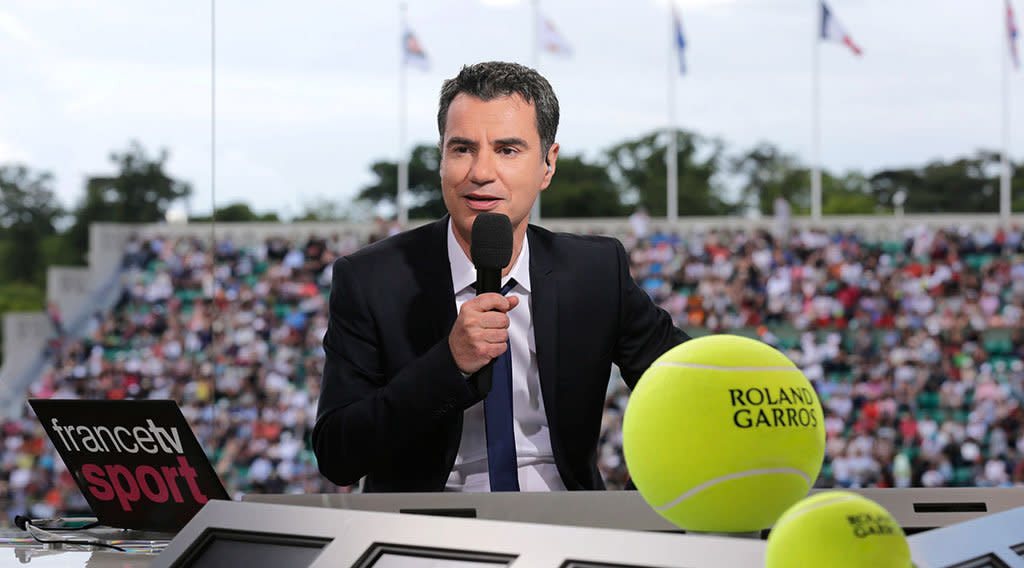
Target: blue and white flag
column 680, row 40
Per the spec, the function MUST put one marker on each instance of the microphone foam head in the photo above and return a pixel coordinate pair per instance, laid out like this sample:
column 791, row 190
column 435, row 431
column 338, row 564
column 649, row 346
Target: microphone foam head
column 491, row 246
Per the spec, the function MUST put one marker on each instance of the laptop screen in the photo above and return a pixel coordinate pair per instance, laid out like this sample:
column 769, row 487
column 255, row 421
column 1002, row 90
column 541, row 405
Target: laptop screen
column 137, row 462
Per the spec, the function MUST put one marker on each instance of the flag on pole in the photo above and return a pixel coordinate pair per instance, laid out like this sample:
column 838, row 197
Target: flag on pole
column 1011, row 29
column 680, row 39
column 413, row 54
column 832, row 31
column 551, row 40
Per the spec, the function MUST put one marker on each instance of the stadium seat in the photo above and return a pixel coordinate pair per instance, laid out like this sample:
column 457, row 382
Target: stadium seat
column 962, row 476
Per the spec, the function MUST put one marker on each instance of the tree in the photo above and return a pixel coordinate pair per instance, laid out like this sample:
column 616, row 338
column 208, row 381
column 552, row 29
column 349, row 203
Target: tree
column 235, row 213
column 849, row 194
column 885, row 184
column 424, row 184
column 29, row 212
column 639, row 166
column 581, row 189
column 323, row 209
column 1017, row 188
column 966, row 185
column 963, row 185
column 140, row 192
column 768, row 173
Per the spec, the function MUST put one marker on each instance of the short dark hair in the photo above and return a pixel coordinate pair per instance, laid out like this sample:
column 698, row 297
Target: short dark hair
column 494, row 79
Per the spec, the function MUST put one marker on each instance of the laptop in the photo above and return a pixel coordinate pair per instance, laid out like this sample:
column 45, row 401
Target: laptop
column 137, row 462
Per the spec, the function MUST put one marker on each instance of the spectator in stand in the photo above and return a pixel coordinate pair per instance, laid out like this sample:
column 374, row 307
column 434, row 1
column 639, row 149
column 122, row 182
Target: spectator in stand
column 916, row 349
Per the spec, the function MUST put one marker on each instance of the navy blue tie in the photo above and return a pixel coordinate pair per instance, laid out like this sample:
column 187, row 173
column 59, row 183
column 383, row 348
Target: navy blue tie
column 501, row 439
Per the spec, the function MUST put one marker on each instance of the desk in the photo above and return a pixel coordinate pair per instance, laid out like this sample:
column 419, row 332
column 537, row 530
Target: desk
column 17, row 548
column 914, row 509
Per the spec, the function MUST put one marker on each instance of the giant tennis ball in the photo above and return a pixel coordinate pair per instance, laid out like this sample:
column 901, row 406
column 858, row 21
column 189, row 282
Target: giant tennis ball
column 838, row 529
column 722, row 434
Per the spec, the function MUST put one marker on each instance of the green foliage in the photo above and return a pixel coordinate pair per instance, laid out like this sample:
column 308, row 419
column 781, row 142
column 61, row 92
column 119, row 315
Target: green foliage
column 639, row 166
column 28, row 213
column 581, row 189
column 848, row 203
column 768, row 173
column 424, row 183
column 633, row 172
column 237, row 213
column 963, row 185
column 140, row 192
column 323, row 209
column 21, row 297
column 848, row 195
column 58, row 251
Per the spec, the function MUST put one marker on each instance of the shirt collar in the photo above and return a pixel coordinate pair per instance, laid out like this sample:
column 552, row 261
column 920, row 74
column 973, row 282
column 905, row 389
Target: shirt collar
column 464, row 273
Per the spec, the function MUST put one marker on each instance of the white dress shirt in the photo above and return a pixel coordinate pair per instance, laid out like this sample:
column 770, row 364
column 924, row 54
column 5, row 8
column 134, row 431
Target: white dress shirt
column 537, row 470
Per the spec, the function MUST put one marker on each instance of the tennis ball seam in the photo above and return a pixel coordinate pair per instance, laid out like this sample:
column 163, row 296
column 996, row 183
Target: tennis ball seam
column 813, row 506
column 723, row 368
column 729, row 477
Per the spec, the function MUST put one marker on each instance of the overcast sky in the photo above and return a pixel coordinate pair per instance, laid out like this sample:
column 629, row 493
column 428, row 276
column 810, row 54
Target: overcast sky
column 307, row 91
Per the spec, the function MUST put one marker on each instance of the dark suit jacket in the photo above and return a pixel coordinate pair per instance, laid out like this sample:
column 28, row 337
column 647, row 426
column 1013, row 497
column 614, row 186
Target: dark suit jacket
column 392, row 398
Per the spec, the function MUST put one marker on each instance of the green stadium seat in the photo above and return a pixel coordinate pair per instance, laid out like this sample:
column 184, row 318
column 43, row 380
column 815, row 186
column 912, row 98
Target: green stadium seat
column 928, row 400
column 962, row 477
column 892, row 247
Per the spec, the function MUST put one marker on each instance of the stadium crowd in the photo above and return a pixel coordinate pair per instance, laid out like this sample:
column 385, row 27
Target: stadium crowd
column 915, row 347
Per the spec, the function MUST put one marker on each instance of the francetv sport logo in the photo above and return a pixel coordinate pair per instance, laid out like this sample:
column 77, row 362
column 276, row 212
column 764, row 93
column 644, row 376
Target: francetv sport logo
column 115, row 481
column 137, row 463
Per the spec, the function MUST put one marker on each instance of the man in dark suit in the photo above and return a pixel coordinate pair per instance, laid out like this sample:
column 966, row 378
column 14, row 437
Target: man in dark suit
column 407, row 333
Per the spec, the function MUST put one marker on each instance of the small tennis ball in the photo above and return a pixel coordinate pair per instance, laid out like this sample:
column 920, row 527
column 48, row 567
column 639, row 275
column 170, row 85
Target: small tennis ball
column 838, row 529
column 722, row 434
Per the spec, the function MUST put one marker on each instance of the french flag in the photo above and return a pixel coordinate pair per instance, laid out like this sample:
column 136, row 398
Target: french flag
column 832, row 31
column 412, row 52
column 551, row 40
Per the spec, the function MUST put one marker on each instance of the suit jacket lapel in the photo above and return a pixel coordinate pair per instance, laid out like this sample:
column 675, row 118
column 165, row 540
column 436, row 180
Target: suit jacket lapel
column 439, row 296
column 544, row 281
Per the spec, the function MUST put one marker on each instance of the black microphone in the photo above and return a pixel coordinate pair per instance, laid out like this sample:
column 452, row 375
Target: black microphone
column 491, row 251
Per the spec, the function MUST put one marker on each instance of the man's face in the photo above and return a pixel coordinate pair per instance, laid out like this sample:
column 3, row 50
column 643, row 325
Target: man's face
column 491, row 161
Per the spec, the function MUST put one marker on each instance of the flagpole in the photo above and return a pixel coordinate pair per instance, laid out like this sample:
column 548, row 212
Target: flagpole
column 535, row 62
column 403, row 158
column 815, row 123
column 671, row 150
column 1004, row 182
